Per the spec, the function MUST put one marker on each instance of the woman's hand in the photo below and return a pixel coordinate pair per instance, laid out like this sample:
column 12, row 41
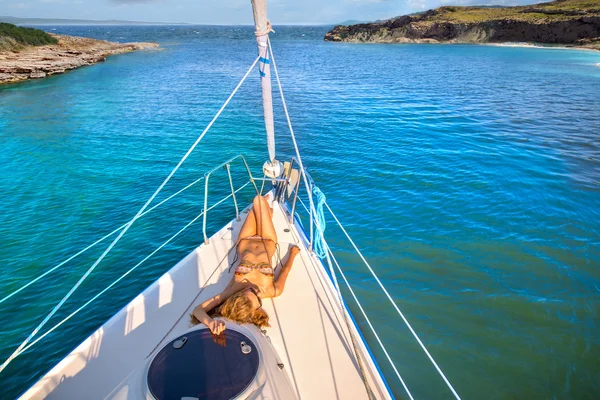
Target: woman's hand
column 216, row 326
column 294, row 251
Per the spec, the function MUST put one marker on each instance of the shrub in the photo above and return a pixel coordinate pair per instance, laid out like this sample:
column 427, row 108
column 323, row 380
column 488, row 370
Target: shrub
column 26, row 36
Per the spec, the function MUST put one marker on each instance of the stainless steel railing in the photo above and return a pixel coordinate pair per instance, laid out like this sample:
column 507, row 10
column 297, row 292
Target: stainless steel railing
column 281, row 186
column 227, row 166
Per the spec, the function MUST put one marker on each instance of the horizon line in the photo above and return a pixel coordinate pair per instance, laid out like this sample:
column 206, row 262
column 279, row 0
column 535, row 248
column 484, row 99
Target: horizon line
column 81, row 21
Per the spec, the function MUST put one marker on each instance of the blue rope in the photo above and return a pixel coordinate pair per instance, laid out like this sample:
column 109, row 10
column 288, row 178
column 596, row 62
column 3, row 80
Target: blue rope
column 319, row 245
column 299, row 220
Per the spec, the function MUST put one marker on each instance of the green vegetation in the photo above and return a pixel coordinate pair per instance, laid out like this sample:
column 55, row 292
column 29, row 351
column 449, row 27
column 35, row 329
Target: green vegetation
column 560, row 10
column 14, row 37
column 560, row 22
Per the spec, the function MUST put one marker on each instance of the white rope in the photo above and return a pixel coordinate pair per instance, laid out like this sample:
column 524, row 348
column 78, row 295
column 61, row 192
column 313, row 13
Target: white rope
column 287, row 116
column 345, row 313
column 125, row 274
column 369, row 322
column 328, row 249
column 343, row 309
column 394, row 304
column 89, row 271
column 94, row 244
column 356, row 248
column 309, row 191
column 266, row 31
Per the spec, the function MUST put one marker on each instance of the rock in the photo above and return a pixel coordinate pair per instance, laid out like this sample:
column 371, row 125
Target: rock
column 565, row 22
column 37, row 74
column 71, row 52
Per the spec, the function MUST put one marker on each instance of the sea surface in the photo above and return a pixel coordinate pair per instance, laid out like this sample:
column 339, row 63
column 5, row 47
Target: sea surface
column 468, row 175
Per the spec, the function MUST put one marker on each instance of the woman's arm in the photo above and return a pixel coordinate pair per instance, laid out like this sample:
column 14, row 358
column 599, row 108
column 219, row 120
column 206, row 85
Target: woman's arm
column 215, row 326
column 285, row 270
column 201, row 310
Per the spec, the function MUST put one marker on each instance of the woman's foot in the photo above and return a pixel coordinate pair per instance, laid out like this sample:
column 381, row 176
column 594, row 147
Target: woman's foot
column 270, row 203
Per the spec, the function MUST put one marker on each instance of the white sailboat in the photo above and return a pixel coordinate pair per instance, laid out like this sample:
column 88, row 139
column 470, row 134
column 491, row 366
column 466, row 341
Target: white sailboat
column 149, row 349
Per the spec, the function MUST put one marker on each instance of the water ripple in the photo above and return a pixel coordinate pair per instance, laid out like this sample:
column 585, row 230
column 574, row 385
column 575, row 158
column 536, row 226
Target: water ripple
column 469, row 175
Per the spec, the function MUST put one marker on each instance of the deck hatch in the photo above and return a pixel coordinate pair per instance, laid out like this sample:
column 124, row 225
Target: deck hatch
column 202, row 368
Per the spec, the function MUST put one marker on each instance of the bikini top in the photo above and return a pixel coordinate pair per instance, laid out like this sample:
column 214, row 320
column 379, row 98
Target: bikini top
column 246, row 267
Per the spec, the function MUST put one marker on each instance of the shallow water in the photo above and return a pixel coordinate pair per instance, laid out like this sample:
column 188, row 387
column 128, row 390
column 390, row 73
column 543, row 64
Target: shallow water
column 469, row 175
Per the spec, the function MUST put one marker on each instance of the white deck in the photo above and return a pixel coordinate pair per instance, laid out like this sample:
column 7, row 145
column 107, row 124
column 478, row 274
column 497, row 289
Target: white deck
column 307, row 330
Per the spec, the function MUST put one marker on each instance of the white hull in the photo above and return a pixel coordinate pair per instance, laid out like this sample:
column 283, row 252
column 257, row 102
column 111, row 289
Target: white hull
column 307, row 334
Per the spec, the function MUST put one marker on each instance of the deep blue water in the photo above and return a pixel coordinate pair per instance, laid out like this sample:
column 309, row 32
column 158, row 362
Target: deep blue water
column 469, row 175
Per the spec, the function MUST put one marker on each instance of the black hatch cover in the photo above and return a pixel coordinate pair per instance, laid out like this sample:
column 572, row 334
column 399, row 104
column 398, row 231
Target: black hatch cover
column 198, row 366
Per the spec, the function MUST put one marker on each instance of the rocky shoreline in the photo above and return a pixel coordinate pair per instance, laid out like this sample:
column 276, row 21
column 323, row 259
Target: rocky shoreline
column 572, row 23
column 71, row 52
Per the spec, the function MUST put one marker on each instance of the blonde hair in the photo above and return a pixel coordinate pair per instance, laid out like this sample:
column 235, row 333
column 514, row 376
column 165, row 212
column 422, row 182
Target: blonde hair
column 239, row 308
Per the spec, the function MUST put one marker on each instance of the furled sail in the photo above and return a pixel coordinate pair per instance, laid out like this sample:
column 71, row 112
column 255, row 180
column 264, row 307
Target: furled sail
column 262, row 29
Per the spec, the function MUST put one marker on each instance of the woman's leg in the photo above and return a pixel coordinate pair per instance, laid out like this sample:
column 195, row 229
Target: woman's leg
column 249, row 226
column 264, row 219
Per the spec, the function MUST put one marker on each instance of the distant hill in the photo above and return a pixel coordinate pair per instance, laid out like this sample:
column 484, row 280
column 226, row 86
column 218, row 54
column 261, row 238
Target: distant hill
column 53, row 21
column 352, row 22
column 564, row 22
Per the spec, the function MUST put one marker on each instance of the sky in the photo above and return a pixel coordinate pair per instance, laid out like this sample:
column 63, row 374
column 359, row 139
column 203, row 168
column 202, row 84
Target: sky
column 229, row 12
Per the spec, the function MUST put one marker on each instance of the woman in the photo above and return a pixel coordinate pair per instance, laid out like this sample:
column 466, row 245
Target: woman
column 254, row 278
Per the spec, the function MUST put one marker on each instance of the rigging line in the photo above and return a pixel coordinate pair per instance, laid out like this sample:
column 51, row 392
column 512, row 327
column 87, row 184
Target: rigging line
column 369, row 322
column 344, row 312
column 287, row 116
column 394, row 304
column 109, row 248
column 198, row 295
column 94, row 244
column 125, row 274
column 309, row 191
column 328, row 249
column 352, row 338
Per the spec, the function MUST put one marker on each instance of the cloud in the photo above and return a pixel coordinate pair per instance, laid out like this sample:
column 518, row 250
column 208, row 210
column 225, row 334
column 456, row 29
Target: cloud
column 485, row 2
column 420, row 5
column 19, row 5
column 232, row 11
column 366, row 2
column 134, row 1
column 416, row 4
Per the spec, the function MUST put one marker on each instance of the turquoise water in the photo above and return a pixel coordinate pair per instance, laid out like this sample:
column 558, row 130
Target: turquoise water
column 469, row 175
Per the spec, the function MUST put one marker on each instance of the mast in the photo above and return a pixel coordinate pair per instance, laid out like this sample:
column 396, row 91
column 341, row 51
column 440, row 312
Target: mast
column 262, row 28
